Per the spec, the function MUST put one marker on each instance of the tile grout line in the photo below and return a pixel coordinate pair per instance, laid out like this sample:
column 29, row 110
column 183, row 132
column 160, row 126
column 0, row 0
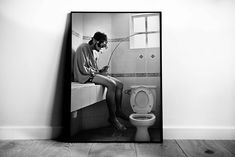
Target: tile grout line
column 181, row 148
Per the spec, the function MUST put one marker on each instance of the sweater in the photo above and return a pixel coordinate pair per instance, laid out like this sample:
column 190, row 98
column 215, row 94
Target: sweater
column 84, row 64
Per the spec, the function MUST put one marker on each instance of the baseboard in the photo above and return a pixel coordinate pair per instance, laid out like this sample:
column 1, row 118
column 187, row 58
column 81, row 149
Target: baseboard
column 49, row 132
column 207, row 133
column 29, row 132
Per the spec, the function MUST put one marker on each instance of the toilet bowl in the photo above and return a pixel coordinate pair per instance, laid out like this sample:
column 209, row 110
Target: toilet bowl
column 142, row 101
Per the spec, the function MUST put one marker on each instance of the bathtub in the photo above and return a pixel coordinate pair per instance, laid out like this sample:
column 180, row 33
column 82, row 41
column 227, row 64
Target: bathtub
column 83, row 95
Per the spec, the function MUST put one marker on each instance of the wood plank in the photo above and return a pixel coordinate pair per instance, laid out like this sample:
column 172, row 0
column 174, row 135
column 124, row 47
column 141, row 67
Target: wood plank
column 34, row 148
column 50, row 148
column 80, row 149
column 112, row 149
column 228, row 144
column 203, row 148
column 6, row 146
column 168, row 148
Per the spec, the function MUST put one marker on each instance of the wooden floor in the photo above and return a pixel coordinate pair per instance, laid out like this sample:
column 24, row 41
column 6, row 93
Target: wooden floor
column 174, row 148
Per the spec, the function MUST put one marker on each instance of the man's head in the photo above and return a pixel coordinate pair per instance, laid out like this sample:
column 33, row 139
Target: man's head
column 100, row 41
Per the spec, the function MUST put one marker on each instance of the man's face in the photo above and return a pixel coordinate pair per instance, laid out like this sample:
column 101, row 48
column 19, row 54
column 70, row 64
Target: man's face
column 101, row 45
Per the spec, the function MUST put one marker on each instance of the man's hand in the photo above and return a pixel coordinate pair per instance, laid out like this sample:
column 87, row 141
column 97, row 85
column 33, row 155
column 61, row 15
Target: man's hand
column 104, row 70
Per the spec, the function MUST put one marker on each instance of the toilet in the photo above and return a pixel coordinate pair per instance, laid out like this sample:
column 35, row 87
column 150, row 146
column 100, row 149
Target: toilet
column 142, row 101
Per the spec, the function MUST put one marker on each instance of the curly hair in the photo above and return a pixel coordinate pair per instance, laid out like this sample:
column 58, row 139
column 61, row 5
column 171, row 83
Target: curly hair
column 100, row 37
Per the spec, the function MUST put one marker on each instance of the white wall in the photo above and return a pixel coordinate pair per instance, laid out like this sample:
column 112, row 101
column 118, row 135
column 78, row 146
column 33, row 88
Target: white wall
column 199, row 69
column 198, row 65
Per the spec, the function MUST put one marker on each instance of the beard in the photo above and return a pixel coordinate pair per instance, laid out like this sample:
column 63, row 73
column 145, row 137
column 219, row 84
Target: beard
column 97, row 45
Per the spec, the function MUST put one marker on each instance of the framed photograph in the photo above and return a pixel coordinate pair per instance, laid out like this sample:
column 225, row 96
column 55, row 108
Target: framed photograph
column 116, row 77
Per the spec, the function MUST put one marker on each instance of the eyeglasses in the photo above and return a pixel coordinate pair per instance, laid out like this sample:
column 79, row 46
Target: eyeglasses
column 103, row 45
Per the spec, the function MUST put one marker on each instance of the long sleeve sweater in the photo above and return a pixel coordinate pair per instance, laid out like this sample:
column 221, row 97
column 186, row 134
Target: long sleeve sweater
column 84, row 64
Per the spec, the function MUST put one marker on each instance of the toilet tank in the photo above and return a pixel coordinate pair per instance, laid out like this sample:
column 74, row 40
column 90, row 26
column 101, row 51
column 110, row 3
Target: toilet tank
column 153, row 89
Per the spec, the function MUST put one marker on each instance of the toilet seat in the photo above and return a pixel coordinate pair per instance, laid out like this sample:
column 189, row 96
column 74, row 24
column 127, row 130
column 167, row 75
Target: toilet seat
column 141, row 100
column 142, row 117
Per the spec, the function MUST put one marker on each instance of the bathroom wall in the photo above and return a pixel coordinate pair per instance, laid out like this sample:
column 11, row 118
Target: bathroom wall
column 86, row 24
column 133, row 66
column 94, row 22
column 197, row 61
column 77, row 30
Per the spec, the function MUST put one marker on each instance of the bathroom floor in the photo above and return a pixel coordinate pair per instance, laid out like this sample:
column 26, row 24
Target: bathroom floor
column 109, row 134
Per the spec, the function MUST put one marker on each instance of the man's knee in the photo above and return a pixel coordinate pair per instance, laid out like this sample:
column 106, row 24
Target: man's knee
column 120, row 85
column 111, row 86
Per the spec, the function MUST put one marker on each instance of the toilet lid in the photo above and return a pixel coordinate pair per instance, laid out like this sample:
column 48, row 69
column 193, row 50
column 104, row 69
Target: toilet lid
column 141, row 100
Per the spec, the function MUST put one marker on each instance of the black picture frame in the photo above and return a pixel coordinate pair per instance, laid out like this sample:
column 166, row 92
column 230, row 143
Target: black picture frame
column 88, row 122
